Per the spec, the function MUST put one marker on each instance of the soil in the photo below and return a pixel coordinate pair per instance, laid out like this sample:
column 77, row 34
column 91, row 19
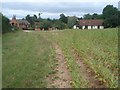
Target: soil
column 89, row 75
column 62, row 78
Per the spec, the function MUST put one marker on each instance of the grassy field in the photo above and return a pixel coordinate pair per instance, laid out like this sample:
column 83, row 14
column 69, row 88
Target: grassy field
column 29, row 57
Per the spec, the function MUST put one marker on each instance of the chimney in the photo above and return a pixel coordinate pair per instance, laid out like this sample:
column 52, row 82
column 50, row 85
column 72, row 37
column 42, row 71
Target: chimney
column 14, row 17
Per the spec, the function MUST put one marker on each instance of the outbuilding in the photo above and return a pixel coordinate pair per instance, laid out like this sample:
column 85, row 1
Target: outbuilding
column 91, row 24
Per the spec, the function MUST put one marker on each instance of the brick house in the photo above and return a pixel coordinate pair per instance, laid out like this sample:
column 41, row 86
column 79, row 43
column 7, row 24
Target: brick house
column 91, row 24
column 22, row 24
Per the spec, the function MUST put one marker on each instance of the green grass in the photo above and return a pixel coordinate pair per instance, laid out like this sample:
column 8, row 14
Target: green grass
column 29, row 57
column 98, row 48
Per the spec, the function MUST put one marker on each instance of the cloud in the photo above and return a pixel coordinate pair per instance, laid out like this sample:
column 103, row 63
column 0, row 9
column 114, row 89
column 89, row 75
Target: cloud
column 119, row 5
column 52, row 9
column 59, row 1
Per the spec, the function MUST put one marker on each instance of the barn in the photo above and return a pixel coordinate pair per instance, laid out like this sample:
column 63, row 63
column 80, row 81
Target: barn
column 91, row 24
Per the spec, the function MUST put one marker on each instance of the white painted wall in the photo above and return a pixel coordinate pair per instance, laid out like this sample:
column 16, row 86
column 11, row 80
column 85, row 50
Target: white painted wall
column 74, row 27
column 101, row 27
column 89, row 27
column 95, row 27
column 92, row 27
column 83, row 27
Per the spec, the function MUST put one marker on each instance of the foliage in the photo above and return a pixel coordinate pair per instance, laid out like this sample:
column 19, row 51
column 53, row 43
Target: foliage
column 110, row 15
column 63, row 18
column 45, row 24
column 27, row 59
column 94, row 49
column 59, row 24
column 118, row 18
column 93, row 16
column 35, row 59
column 72, row 21
column 6, row 27
column 87, row 16
column 96, row 52
column 31, row 19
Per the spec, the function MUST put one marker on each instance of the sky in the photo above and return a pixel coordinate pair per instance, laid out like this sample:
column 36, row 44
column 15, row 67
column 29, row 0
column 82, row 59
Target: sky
column 53, row 8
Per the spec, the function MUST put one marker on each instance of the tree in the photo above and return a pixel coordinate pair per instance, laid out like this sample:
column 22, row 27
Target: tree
column 72, row 21
column 93, row 16
column 6, row 27
column 45, row 24
column 49, row 19
column 110, row 14
column 119, row 18
column 97, row 16
column 59, row 24
column 31, row 19
column 63, row 18
column 35, row 17
column 87, row 16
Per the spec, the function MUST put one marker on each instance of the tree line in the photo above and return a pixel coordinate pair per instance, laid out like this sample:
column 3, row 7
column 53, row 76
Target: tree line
column 110, row 15
column 6, row 27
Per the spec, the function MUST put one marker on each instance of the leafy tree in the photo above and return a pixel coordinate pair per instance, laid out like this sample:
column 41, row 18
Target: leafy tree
column 49, row 19
column 119, row 18
column 72, row 21
column 31, row 19
column 28, row 18
column 59, row 24
column 93, row 16
column 63, row 18
column 6, row 27
column 87, row 16
column 109, row 10
column 45, row 24
column 97, row 16
column 34, row 17
column 110, row 14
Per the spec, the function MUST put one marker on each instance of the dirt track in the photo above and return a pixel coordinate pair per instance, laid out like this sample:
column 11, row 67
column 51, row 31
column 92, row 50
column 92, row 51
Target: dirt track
column 62, row 77
column 89, row 75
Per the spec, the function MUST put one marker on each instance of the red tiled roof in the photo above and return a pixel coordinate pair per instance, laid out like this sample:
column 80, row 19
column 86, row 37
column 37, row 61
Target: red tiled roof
column 96, row 22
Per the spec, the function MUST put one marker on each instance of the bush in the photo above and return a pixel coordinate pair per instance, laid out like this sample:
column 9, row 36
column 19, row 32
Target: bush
column 6, row 27
column 45, row 24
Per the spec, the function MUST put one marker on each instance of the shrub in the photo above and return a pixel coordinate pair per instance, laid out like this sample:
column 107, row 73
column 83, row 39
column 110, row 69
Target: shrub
column 6, row 27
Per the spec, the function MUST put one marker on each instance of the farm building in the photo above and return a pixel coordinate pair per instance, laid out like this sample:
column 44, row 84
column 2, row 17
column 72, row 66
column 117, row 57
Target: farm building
column 90, row 24
column 23, row 24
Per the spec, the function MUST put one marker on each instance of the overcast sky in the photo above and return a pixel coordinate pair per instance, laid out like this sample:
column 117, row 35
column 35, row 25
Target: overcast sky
column 53, row 8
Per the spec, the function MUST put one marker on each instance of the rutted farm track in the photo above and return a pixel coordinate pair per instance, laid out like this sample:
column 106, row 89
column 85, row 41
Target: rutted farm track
column 89, row 75
column 73, row 71
column 77, row 59
column 62, row 77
